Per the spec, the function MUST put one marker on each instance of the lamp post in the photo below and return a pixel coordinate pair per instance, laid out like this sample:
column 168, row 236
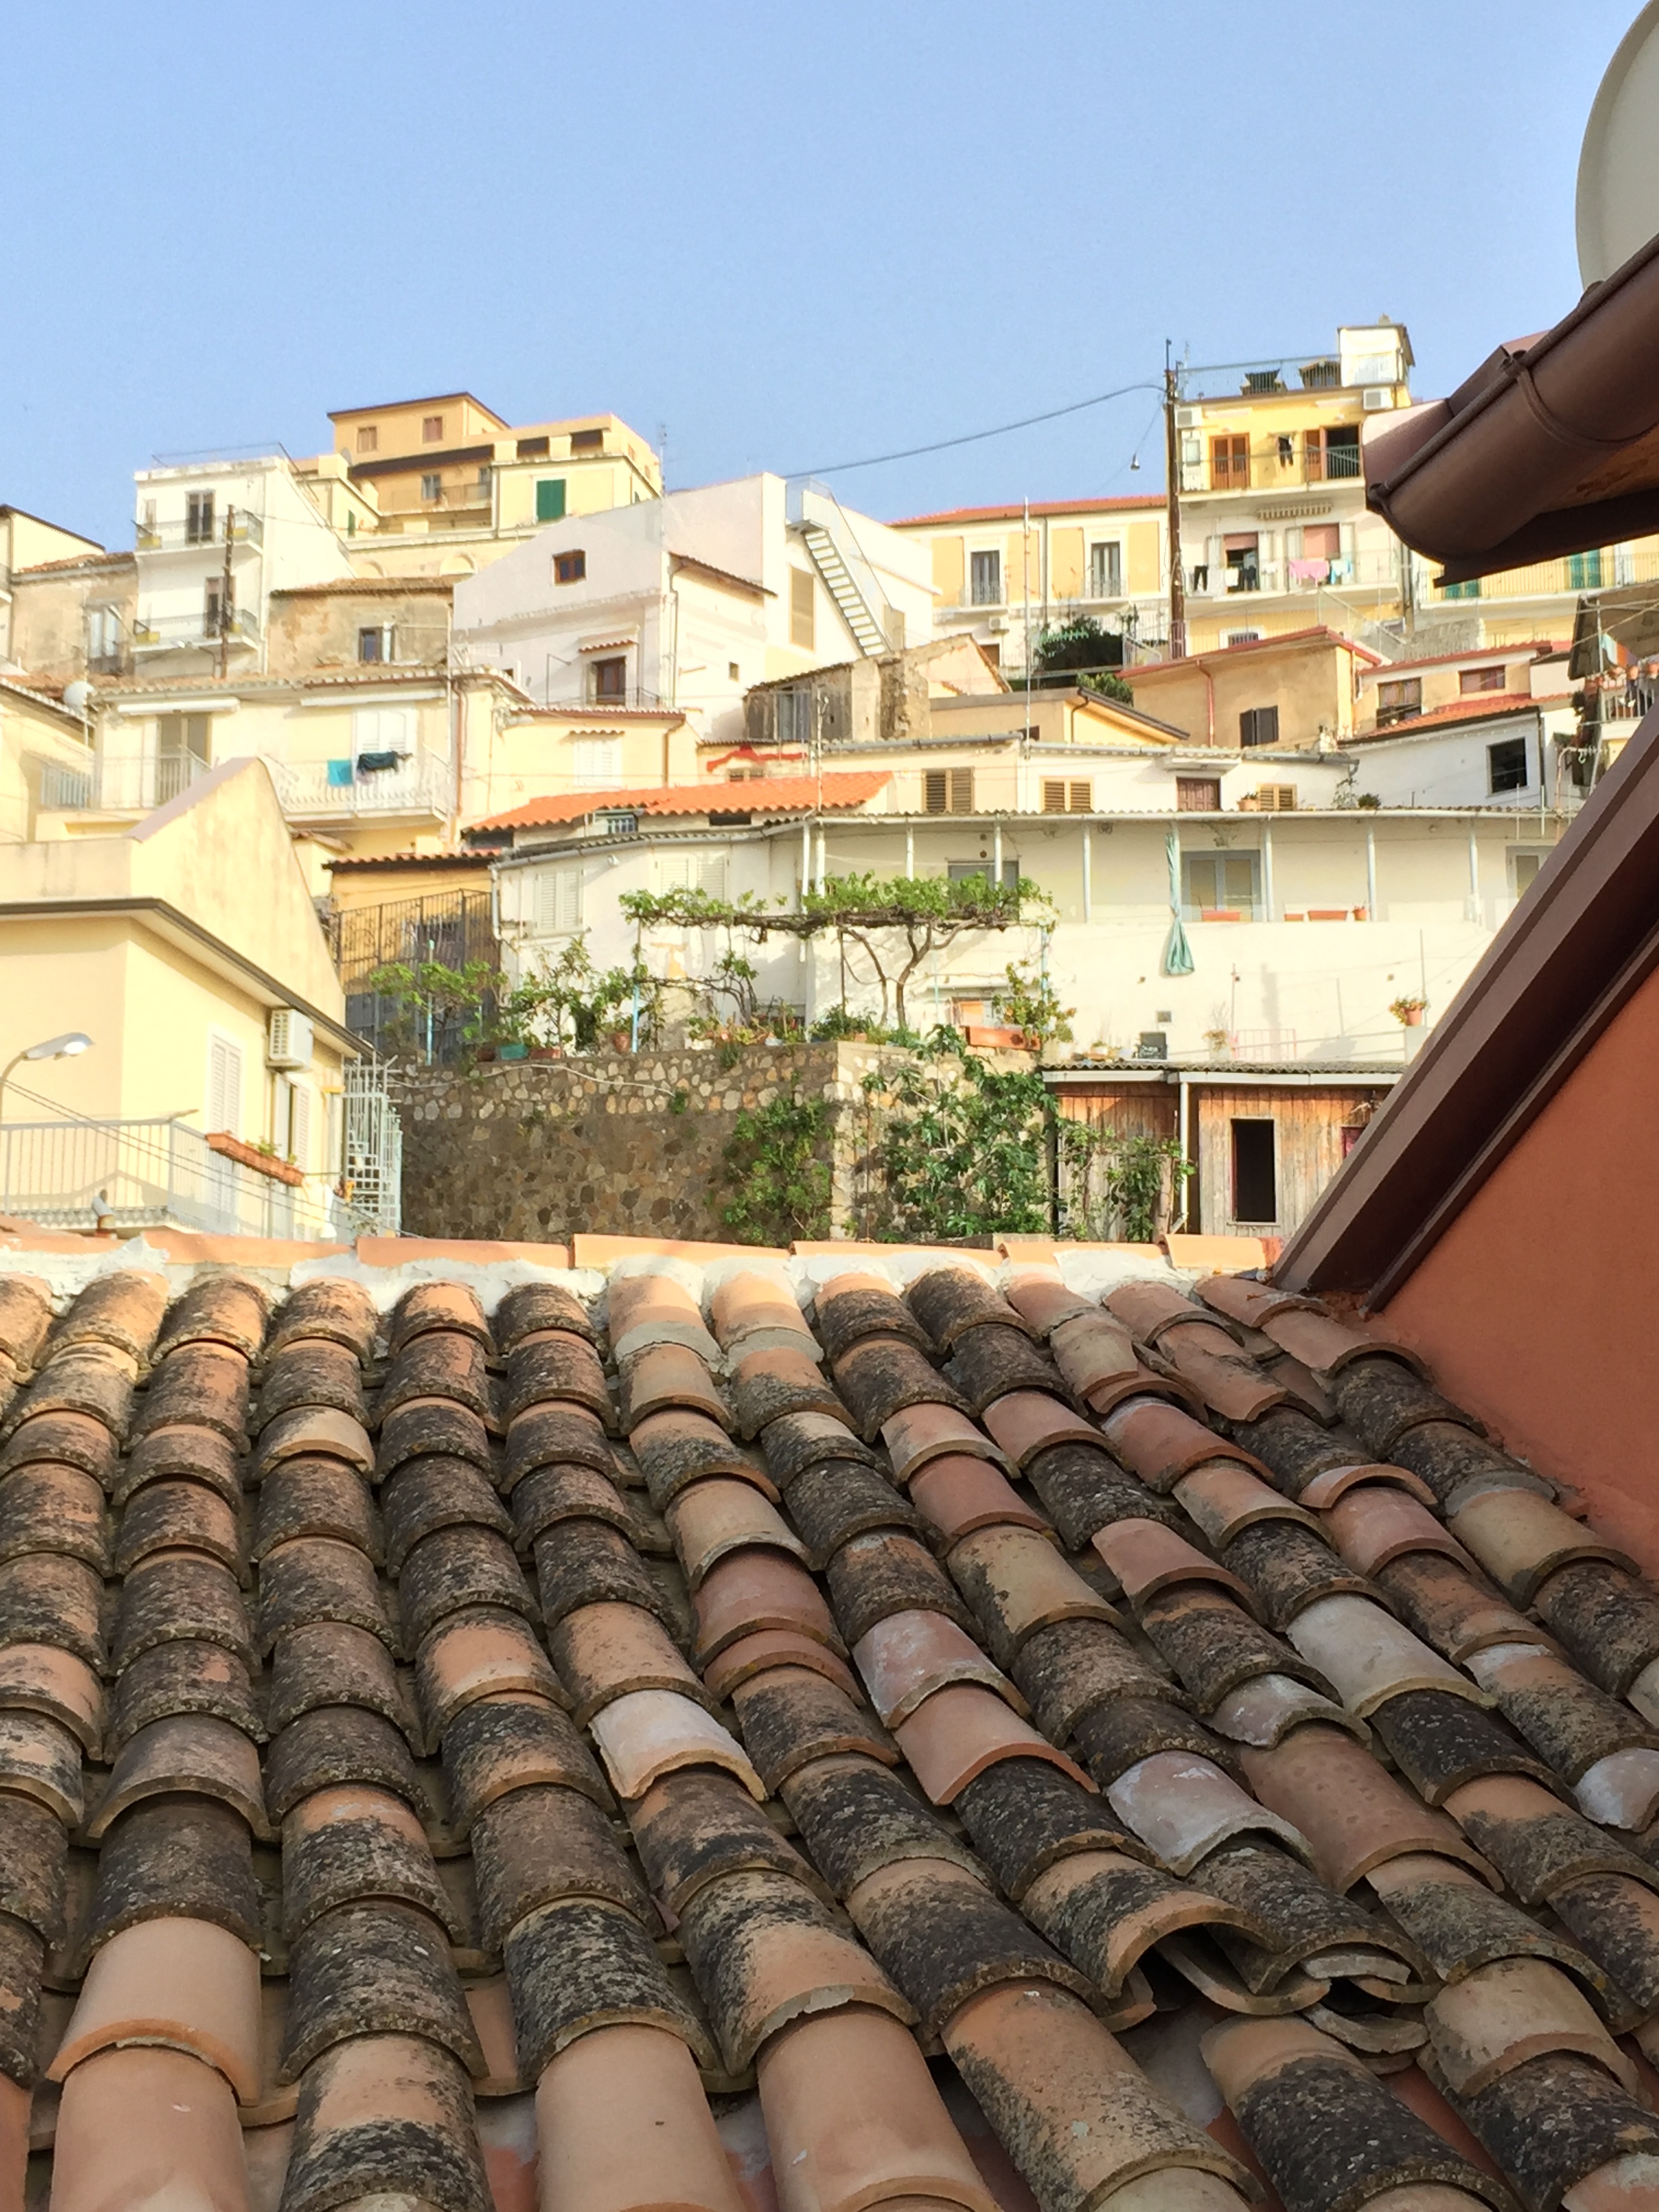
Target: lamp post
column 67, row 1047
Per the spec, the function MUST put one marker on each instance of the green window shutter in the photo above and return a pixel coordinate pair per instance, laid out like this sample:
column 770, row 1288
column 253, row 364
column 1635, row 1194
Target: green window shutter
column 550, row 500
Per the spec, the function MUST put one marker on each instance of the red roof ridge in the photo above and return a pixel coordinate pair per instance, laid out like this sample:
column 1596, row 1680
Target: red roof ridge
column 778, row 794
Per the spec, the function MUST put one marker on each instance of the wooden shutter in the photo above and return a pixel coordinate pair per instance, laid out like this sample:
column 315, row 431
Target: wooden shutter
column 962, row 790
column 550, row 500
column 1053, row 798
column 1082, row 798
column 224, row 1085
column 558, row 899
column 299, row 1125
column 1276, row 798
column 1198, row 794
column 936, row 789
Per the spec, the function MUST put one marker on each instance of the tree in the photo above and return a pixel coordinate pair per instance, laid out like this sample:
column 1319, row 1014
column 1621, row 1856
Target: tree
column 964, row 1152
column 897, row 922
column 1030, row 1002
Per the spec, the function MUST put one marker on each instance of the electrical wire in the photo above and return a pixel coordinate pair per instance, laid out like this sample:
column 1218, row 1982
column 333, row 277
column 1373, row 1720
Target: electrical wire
column 975, row 437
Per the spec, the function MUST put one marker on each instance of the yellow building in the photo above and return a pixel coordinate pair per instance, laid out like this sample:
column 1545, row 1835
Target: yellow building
column 45, row 750
column 1297, row 691
column 444, row 485
column 26, row 542
column 188, row 950
column 1001, row 572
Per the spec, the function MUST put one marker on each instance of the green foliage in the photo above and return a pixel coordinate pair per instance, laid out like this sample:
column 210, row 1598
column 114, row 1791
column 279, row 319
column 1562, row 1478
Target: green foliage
column 1118, row 1187
column 1029, row 1001
column 1082, row 649
column 426, row 995
column 965, row 1152
column 570, row 1002
column 775, row 1160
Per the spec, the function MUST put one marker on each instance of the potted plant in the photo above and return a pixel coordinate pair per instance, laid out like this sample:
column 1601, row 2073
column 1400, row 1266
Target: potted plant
column 1408, row 1012
column 1220, row 1042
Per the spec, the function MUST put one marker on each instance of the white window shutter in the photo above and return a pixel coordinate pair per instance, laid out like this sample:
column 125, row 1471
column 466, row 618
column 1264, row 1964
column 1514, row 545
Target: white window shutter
column 298, row 1124
column 224, row 1085
column 556, row 901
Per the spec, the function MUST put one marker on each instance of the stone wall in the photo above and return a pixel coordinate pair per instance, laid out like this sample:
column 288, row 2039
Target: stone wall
column 531, row 1150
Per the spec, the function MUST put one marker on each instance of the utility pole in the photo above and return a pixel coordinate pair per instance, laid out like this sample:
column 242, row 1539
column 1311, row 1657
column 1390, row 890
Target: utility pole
column 225, row 591
column 1172, row 472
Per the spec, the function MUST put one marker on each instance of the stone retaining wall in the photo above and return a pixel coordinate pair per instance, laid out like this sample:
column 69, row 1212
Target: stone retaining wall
column 542, row 1149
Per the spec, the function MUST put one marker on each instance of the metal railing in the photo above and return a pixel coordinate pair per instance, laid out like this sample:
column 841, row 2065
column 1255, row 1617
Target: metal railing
column 121, row 787
column 162, row 633
column 139, row 1173
column 452, row 496
column 420, row 785
column 245, row 529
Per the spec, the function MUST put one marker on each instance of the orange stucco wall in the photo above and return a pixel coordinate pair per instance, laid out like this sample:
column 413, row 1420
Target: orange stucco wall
column 1539, row 1307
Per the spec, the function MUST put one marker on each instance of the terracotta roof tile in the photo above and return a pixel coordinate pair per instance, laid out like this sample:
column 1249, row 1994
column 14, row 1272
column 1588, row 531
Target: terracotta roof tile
column 1487, row 1905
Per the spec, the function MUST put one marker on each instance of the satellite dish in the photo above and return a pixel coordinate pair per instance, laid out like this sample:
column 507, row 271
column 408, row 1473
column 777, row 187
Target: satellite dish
column 1618, row 168
column 77, row 696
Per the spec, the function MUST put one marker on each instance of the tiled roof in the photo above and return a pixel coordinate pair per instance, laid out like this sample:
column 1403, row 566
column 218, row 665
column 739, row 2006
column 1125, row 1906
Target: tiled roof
column 443, row 1732
column 772, row 794
column 1229, row 652
column 1488, row 707
column 1117, row 502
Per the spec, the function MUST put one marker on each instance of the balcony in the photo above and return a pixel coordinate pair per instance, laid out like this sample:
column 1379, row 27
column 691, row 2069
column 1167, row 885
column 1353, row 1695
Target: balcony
column 119, row 786
column 245, row 529
column 191, row 632
column 330, row 789
column 141, row 1174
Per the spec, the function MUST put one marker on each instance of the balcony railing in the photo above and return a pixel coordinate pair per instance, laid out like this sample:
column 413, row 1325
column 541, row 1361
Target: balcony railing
column 420, row 785
column 174, row 633
column 138, row 1174
column 119, row 787
column 245, row 529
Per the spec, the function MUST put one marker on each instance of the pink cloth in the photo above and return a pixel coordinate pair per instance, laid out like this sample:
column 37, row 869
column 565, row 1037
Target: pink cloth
column 1310, row 572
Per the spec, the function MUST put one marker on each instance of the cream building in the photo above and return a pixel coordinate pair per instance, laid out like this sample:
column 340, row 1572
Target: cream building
column 26, row 542
column 187, row 948
column 1003, row 574
column 45, row 748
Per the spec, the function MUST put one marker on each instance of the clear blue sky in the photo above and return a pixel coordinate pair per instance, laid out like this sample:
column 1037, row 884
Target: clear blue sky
column 793, row 234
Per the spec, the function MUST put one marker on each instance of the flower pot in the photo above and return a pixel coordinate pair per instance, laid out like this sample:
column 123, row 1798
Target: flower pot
column 1413, row 1017
column 486, row 1052
column 621, row 1040
column 513, row 1052
column 546, row 1052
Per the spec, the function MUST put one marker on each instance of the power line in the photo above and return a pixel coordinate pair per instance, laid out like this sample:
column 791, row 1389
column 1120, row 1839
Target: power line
column 975, row 437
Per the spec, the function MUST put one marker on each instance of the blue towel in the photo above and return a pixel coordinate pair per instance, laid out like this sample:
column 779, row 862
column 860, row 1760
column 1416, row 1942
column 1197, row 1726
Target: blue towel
column 339, row 773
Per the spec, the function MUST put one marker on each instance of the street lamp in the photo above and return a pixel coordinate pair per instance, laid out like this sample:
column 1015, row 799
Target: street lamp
column 67, row 1047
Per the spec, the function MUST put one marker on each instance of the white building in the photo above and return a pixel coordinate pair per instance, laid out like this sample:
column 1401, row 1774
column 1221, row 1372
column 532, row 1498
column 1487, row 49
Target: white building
column 686, row 601
column 214, row 540
column 1518, row 754
column 1303, row 926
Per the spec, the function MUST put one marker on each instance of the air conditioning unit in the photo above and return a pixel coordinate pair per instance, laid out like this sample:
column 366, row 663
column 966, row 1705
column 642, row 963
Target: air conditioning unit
column 1188, row 418
column 997, row 625
column 1375, row 398
column 288, row 1042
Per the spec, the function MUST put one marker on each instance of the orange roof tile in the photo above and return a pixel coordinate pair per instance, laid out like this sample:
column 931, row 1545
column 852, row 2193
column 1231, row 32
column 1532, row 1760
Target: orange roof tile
column 780, row 794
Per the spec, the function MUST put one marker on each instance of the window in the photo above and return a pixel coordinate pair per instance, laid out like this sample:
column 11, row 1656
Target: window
column 569, row 568
column 948, row 791
column 1398, row 701
column 803, row 629
column 555, row 900
column 1471, row 680
column 534, row 449
column 586, row 441
column 985, row 580
column 1524, row 870
column 549, row 499
column 693, row 870
column 199, row 518
column 1258, row 725
column 1106, row 572
column 1275, row 798
column 382, row 733
column 103, row 637
column 1321, row 541
column 733, row 675
column 1334, row 454
column 1470, row 590
column 1230, row 464
column 1240, row 637
column 609, row 676
column 1585, row 571
column 1220, row 884
column 618, row 821
column 368, row 437
column 432, row 430
column 958, row 872
column 1255, row 1171
column 599, row 763
column 212, row 624
column 795, row 716
column 1063, row 797
column 185, row 738
column 291, row 1120
column 224, row 1085
column 1242, row 554
column 374, row 644
column 432, row 486
column 1506, row 765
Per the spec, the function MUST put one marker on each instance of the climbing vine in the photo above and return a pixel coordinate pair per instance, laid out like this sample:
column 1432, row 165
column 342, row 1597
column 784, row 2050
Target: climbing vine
column 1115, row 1186
column 775, row 1159
column 965, row 1149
